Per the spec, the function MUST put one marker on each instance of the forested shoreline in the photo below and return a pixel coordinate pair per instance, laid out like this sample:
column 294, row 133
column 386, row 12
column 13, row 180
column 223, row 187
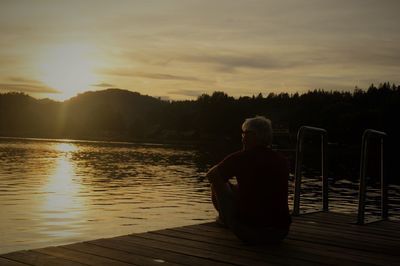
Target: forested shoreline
column 121, row 115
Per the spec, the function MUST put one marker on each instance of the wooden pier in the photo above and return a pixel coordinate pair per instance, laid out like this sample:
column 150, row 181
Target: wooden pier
column 315, row 239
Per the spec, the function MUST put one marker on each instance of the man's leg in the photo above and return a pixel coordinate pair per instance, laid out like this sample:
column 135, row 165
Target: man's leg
column 225, row 202
column 225, row 198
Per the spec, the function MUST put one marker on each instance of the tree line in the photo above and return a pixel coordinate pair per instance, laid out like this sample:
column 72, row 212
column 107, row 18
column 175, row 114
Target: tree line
column 215, row 119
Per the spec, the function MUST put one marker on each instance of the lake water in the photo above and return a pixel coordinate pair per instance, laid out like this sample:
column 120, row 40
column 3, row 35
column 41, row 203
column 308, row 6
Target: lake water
column 54, row 192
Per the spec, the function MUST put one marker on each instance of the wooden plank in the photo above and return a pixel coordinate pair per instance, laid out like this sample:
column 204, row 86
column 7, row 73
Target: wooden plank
column 388, row 228
column 362, row 257
column 155, row 253
column 322, row 229
column 341, row 240
column 176, row 246
column 118, row 255
column 212, row 231
column 80, row 257
column 291, row 249
column 7, row 262
column 314, row 239
column 372, row 230
column 237, row 248
column 39, row 259
column 349, row 229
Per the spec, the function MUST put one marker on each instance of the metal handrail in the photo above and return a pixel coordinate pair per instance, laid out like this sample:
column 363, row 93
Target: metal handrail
column 363, row 169
column 299, row 157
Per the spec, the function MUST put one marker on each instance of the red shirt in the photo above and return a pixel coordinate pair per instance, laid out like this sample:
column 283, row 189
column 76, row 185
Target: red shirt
column 262, row 176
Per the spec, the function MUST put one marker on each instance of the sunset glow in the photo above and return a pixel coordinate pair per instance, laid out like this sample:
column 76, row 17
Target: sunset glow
column 68, row 69
column 182, row 49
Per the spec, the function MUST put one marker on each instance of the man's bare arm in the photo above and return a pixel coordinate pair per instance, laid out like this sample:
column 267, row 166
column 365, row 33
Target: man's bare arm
column 214, row 176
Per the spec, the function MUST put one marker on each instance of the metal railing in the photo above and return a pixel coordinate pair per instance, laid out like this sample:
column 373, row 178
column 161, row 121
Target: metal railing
column 367, row 135
column 299, row 158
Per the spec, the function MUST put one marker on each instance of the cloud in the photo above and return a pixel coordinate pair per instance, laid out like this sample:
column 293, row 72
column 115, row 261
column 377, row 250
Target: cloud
column 187, row 92
column 263, row 58
column 300, row 57
column 224, row 61
column 27, row 85
column 161, row 76
column 28, row 88
column 381, row 54
column 104, row 85
column 232, row 61
column 164, row 76
column 23, row 80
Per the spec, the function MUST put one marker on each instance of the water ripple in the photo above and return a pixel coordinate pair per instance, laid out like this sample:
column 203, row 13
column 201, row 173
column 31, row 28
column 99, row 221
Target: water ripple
column 58, row 192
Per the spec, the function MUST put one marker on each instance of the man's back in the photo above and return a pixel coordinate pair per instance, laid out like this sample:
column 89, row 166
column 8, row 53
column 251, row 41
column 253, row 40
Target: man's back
column 262, row 177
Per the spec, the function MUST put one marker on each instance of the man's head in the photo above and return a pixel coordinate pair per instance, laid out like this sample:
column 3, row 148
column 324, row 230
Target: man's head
column 256, row 131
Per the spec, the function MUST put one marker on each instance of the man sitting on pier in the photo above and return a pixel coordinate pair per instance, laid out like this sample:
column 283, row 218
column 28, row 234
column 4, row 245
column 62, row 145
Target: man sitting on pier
column 256, row 208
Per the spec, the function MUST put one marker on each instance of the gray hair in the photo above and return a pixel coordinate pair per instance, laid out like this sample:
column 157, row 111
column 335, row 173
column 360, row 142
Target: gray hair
column 261, row 126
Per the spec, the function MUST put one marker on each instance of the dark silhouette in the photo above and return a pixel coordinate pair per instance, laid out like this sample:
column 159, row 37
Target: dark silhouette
column 256, row 208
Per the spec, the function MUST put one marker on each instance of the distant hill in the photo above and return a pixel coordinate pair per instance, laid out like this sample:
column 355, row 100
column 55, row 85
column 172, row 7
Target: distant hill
column 111, row 113
column 117, row 98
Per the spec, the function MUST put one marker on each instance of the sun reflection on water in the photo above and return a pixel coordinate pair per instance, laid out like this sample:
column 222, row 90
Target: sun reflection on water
column 61, row 203
column 65, row 147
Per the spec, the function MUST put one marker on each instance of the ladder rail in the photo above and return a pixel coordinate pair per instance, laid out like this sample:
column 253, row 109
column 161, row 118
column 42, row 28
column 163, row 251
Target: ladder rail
column 303, row 130
column 367, row 135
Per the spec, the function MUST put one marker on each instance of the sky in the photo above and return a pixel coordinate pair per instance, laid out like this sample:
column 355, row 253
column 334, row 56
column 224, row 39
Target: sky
column 180, row 49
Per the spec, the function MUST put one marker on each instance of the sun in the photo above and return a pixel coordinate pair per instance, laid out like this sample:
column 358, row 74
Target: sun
column 69, row 69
